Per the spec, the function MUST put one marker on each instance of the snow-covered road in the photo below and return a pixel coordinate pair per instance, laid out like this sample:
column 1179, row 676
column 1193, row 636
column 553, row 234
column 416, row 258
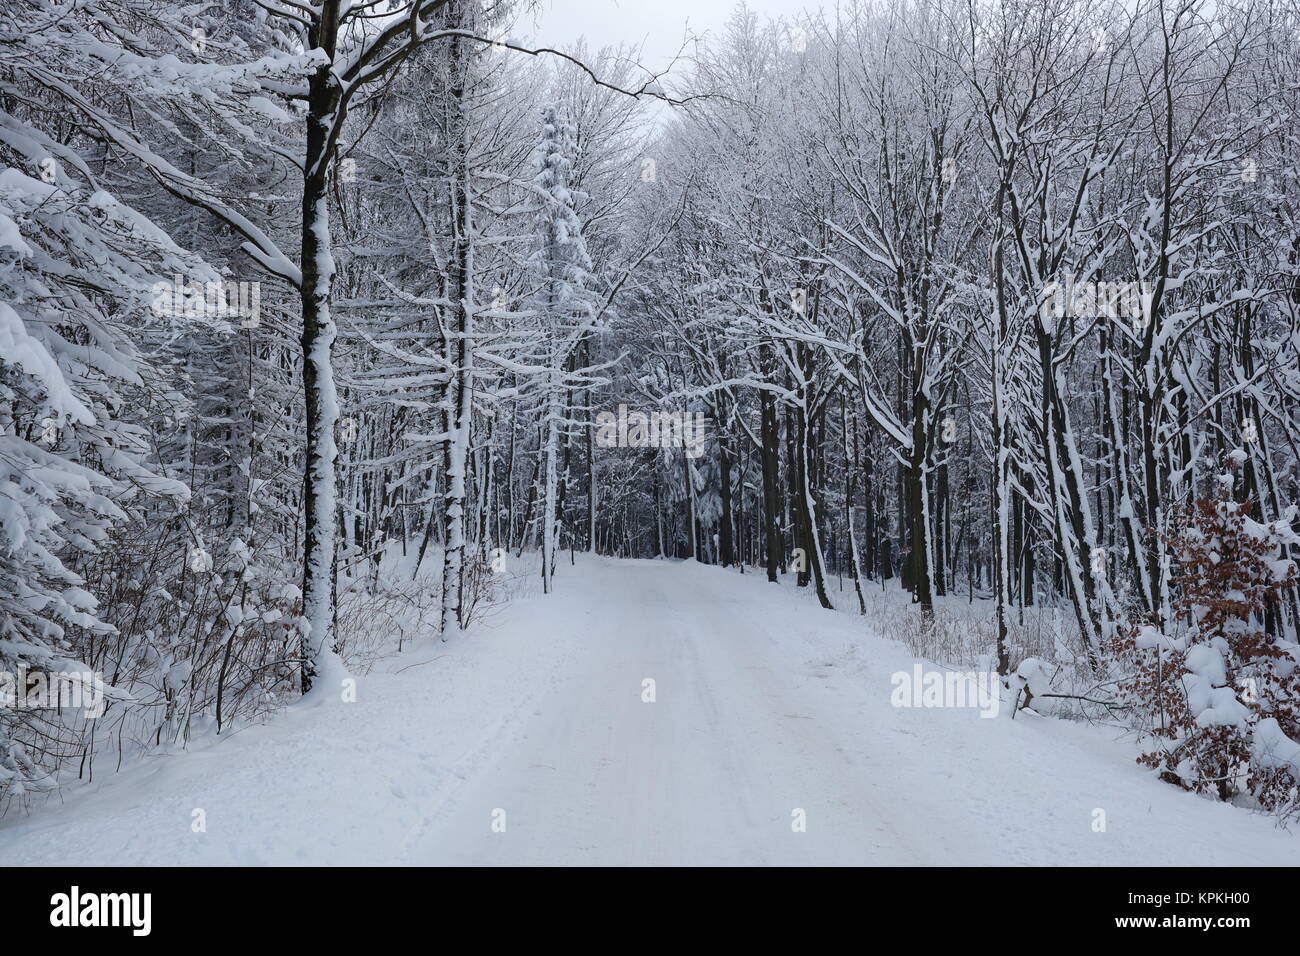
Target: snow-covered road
column 529, row 741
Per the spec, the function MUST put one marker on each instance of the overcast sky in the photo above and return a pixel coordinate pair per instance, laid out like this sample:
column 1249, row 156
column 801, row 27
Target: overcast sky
column 658, row 24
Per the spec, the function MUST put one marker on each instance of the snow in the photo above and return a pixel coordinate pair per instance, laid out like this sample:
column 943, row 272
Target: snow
column 19, row 348
column 764, row 705
column 1272, row 748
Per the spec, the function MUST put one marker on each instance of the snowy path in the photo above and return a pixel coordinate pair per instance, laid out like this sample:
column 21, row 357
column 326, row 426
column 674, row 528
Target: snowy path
column 764, row 704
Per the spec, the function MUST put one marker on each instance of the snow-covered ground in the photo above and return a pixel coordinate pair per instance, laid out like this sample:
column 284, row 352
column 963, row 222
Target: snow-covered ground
column 765, row 705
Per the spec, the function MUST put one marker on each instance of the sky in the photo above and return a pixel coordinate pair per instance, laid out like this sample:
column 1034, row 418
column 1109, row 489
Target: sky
column 658, row 25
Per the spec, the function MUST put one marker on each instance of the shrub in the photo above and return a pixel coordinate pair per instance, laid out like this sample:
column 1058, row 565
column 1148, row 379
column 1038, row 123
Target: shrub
column 1217, row 694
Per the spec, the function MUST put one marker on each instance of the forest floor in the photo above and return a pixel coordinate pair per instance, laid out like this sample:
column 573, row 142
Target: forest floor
column 527, row 741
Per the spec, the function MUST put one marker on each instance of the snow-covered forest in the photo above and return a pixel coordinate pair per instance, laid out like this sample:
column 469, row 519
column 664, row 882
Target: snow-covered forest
column 341, row 336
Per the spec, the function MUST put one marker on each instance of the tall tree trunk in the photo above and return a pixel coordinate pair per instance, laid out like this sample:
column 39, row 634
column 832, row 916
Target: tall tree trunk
column 460, row 360
column 320, row 656
column 771, row 493
column 726, row 556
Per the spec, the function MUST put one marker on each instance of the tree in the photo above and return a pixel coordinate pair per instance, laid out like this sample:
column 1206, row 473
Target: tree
column 566, row 311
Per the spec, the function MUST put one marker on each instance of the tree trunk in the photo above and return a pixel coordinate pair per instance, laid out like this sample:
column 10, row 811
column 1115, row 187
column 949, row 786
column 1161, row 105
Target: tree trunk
column 320, row 655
